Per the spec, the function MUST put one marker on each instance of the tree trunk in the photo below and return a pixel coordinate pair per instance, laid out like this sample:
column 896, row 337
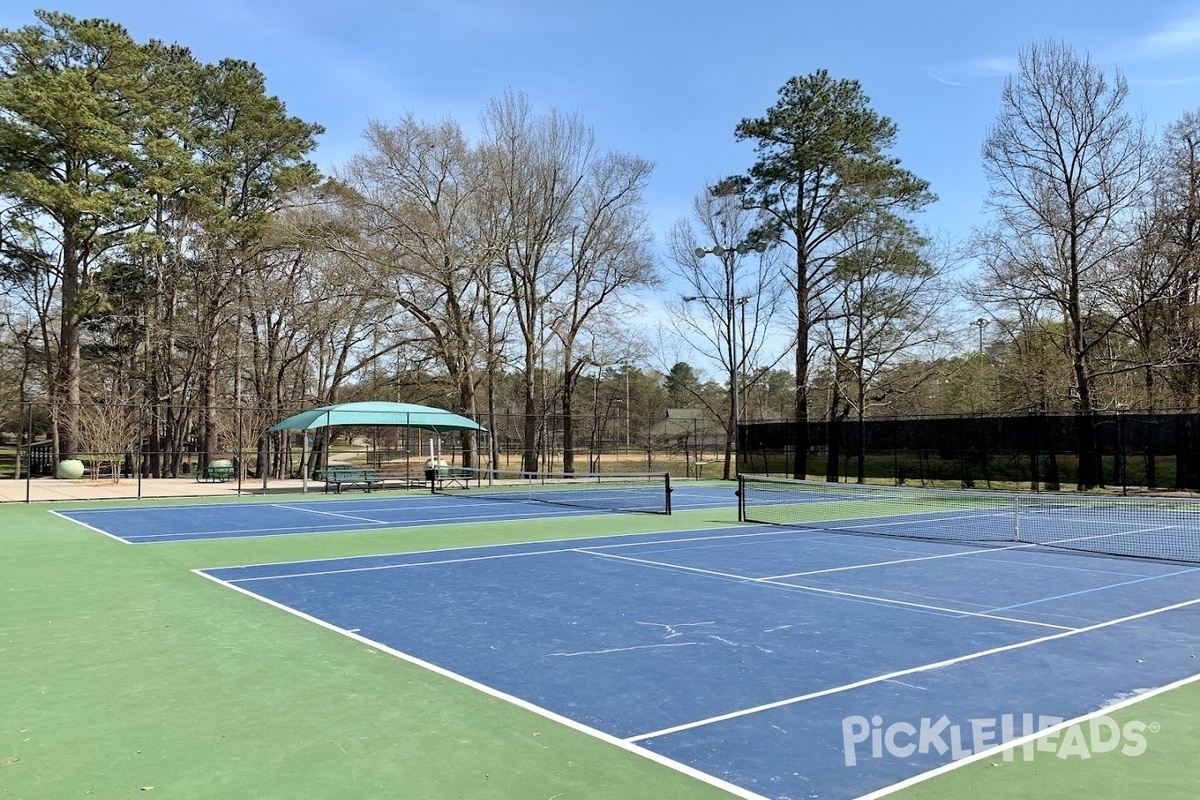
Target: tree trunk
column 208, row 440
column 529, row 459
column 568, row 425
column 466, row 404
column 67, row 416
column 1090, row 475
column 803, row 325
column 833, row 436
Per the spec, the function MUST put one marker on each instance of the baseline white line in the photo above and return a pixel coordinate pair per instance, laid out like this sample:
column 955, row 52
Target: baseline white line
column 1057, row 542
column 963, row 553
column 89, row 527
column 1027, row 739
column 564, row 540
column 226, row 533
column 262, row 533
column 938, row 517
column 247, row 499
column 718, row 537
column 546, row 713
column 912, row 518
column 982, row 554
column 956, row 612
column 381, row 567
column 687, row 726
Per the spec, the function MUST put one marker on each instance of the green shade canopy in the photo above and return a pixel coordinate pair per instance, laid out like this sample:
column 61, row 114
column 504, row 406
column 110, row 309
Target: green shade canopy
column 399, row 415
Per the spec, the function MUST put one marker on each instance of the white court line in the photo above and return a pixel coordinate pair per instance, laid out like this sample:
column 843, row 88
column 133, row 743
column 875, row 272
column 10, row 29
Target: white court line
column 381, row 567
column 978, row 551
column 1056, row 542
column 460, row 547
column 1027, row 739
column 329, row 513
column 926, row 517
column 957, row 612
column 687, row 726
column 974, row 552
column 911, row 518
column 573, row 541
column 691, row 772
column 263, row 533
column 234, row 533
column 147, row 503
column 89, row 527
column 775, row 531
column 574, row 549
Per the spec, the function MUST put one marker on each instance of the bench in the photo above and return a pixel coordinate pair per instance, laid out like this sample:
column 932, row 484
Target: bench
column 216, row 472
column 351, row 477
column 441, row 477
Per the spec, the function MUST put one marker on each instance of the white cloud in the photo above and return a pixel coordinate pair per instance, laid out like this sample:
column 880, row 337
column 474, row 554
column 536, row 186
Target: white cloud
column 993, row 67
column 1181, row 36
column 945, row 81
column 964, row 72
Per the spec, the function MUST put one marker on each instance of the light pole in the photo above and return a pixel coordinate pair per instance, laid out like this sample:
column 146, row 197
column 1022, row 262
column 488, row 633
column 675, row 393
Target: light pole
column 980, row 323
column 730, row 301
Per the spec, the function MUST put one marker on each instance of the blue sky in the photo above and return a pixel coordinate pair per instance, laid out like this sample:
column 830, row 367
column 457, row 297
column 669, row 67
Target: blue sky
column 667, row 79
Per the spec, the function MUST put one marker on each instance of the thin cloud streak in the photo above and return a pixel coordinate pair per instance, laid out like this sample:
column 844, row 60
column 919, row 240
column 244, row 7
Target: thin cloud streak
column 963, row 73
column 1178, row 38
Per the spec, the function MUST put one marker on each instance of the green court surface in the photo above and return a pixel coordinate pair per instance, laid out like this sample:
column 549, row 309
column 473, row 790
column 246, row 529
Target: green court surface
column 125, row 674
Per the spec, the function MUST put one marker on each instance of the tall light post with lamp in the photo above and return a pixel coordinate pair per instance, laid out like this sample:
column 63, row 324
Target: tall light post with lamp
column 980, row 323
column 729, row 303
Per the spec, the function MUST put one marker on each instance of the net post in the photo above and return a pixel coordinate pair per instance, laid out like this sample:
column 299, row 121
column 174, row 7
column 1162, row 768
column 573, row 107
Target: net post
column 741, row 497
column 1016, row 501
column 667, row 489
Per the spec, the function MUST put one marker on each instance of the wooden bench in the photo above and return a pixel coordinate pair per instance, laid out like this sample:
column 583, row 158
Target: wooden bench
column 216, row 472
column 351, row 477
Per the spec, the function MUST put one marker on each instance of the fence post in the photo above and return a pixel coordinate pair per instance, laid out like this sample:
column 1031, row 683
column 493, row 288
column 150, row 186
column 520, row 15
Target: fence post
column 28, row 451
column 141, row 447
column 241, row 452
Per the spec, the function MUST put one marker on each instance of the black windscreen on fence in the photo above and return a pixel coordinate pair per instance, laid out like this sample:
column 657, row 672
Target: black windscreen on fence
column 1042, row 451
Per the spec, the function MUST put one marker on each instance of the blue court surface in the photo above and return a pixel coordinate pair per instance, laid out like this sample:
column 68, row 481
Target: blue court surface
column 149, row 524
column 779, row 663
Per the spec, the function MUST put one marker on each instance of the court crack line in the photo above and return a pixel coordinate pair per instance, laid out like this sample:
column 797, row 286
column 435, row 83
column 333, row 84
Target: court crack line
column 329, row 514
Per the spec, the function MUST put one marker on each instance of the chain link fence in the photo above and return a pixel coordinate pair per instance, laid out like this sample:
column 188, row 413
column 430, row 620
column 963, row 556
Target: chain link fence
column 133, row 444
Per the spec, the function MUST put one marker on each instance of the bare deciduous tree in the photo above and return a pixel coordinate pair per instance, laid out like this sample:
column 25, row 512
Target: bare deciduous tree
column 734, row 297
column 573, row 237
column 885, row 302
column 1067, row 167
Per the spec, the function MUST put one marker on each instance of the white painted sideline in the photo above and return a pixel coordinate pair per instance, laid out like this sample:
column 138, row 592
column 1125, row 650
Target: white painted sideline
column 1023, row 740
column 650, row 755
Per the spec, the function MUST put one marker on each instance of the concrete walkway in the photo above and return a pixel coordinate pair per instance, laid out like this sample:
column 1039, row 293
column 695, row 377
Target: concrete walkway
column 41, row 490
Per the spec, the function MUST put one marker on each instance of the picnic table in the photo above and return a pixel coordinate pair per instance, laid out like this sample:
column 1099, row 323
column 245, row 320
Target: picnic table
column 217, row 471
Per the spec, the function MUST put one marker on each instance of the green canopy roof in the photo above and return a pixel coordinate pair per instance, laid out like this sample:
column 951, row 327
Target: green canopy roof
column 405, row 415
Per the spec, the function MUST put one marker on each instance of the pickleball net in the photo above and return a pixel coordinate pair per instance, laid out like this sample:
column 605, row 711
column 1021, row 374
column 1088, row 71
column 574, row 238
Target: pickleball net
column 648, row 493
column 1165, row 529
